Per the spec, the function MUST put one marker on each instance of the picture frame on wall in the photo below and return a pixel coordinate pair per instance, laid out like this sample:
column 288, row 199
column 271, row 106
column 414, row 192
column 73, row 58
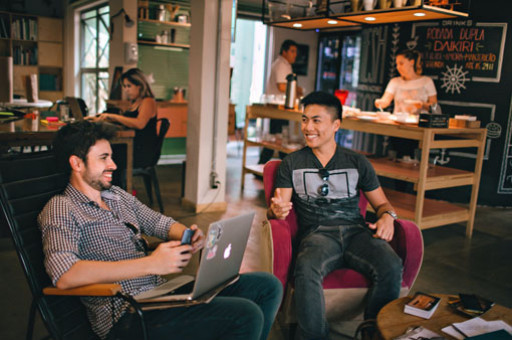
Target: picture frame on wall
column 300, row 67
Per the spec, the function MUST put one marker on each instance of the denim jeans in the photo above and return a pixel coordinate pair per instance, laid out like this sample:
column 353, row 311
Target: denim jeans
column 244, row 310
column 330, row 248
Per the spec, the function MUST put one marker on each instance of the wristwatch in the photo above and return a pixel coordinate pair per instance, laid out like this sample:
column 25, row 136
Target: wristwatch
column 391, row 213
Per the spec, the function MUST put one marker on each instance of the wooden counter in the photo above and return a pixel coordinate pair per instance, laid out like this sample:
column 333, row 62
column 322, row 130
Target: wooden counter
column 426, row 213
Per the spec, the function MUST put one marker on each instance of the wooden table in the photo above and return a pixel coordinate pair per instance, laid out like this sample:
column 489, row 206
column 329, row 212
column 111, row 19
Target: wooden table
column 28, row 132
column 393, row 322
column 24, row 104
column 428, row 213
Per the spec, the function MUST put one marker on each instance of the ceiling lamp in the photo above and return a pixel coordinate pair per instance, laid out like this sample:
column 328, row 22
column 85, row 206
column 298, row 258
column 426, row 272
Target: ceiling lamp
column 339, row 14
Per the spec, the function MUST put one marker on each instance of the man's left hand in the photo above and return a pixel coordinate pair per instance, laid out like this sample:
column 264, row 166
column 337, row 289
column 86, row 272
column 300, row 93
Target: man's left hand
column 384, row 227
column 197, row 239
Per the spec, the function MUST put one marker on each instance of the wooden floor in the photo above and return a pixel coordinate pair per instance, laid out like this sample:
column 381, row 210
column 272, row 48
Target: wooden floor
column 452, row 264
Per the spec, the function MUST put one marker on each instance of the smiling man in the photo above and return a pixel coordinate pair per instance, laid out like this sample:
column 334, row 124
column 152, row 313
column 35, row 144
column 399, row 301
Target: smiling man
column 92, row 234
column 323, row 181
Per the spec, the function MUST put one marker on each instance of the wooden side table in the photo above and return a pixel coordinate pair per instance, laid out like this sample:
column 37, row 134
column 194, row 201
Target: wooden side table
column 393, row 322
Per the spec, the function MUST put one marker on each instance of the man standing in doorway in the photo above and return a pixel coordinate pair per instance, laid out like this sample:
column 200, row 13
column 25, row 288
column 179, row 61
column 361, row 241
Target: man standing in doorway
column 276, row 85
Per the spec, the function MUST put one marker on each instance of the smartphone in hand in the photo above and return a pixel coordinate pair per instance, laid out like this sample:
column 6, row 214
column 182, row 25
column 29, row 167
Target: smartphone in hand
column 187, row 236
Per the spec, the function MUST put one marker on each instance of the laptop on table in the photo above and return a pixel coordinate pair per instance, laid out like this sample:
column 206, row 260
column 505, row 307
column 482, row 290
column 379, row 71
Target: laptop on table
column 219, row 266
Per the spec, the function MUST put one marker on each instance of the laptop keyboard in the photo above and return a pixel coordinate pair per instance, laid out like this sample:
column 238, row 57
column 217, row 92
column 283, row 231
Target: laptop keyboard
column 183, row 290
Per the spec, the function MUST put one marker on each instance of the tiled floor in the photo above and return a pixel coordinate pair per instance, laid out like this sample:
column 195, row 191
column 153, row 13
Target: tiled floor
column 452, row 264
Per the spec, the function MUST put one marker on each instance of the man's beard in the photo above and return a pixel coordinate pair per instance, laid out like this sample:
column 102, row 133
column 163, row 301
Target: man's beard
column 98, row 184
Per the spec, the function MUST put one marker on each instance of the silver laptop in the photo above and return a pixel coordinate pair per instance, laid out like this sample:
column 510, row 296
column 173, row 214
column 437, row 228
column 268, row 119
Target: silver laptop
column 220, row 263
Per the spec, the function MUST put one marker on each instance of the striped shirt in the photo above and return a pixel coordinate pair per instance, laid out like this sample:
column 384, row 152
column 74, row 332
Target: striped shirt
column 75, row 228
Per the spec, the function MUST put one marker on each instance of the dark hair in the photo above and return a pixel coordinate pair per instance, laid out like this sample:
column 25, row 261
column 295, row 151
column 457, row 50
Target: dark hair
column 137, row 77
column 328, row 100
column 413, row 55
column 77, row 138
column 285, row 46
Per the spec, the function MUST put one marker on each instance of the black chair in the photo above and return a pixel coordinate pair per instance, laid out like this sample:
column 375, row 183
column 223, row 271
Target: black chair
column 149, row 172
column 27, row 182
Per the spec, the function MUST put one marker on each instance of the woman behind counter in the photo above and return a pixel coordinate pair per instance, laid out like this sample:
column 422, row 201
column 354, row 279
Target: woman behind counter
column 411, row 91
column 140, row 116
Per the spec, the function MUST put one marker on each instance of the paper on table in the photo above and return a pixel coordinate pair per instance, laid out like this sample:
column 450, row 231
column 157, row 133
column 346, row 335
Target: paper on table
column 475, row 326
column 419, row 333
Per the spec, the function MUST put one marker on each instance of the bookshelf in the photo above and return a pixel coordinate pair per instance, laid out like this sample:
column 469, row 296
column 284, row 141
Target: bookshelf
column 36, row 45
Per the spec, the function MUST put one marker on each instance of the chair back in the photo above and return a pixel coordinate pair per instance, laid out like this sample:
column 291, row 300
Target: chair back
column 164, row 127
column 27, row 182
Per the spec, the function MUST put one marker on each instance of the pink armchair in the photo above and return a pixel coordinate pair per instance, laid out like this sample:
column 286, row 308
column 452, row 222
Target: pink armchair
column 344, row 289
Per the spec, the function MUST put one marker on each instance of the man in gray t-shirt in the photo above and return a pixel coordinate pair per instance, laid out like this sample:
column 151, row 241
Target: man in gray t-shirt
column 323, row 181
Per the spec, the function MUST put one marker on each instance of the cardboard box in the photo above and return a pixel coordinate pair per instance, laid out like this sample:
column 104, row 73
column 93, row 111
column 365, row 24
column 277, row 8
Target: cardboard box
column 463, row 124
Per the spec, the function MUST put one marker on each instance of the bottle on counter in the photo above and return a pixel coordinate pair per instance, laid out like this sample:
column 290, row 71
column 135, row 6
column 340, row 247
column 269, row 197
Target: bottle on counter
column 291, row 91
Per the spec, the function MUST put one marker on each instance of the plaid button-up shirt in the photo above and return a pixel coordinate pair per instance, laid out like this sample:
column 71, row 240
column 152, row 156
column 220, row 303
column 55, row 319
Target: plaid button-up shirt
column 75, row 228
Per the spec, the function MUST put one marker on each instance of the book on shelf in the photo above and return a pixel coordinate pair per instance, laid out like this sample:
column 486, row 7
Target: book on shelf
column 422, row 305
column 3, row 28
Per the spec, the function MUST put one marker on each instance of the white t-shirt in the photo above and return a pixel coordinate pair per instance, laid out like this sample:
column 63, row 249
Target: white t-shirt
column 404, row 90
column 278, row 72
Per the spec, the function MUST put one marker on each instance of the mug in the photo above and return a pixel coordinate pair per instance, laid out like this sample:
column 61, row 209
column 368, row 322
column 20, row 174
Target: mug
column 369, row 4
column 399, row 3
column 356, row 5
column 384, row 4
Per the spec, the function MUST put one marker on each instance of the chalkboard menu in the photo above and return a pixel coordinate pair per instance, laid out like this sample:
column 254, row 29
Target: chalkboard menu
column 468, row 61
column 457, row 51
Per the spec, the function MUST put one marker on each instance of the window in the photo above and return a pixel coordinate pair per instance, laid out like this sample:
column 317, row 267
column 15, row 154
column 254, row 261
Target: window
column 94, row 55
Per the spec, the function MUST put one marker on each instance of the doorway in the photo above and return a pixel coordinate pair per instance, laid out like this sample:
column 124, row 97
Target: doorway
column 248, row 66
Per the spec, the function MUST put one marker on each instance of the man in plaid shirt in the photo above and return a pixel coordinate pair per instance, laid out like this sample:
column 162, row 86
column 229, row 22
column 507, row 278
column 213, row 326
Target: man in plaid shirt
column 92, row 234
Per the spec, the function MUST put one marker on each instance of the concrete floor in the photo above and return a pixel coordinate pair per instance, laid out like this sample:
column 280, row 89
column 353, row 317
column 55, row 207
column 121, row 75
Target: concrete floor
column 452, row 264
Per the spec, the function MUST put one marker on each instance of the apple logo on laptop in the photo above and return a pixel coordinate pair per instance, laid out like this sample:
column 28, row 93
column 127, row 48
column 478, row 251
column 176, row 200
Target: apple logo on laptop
column 227, row 251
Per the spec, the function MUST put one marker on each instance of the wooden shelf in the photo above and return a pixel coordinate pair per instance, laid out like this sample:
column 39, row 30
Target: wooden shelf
column 153, row 43
column 256, row 169
column 46, row 45
column 437, row 176
column 435, row 212
column 379, row 16
column 277, row 145
column 167, row 23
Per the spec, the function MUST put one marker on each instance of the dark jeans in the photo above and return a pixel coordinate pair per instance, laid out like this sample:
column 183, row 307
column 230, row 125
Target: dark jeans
column 330, row 248
column 244, row 310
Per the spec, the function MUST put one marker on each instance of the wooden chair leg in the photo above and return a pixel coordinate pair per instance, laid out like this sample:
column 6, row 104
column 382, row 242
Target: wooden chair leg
column 149, row 189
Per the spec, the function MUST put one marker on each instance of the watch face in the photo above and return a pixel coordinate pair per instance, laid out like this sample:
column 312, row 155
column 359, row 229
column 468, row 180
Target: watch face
column 392, row 213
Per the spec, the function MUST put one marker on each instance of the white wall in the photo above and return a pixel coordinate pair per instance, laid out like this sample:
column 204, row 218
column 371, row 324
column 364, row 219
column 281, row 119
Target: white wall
column 310, row 38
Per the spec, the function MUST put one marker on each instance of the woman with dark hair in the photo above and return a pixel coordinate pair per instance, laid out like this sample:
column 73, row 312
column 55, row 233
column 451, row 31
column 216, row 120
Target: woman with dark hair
column 141, row 116
column 410, row 91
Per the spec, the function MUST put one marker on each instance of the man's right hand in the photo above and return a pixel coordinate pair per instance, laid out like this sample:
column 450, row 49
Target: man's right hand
column 279, row 207
column 170, row 257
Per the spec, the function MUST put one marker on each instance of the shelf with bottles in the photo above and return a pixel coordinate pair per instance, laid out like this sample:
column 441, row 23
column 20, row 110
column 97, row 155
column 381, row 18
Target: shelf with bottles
column 163, row 25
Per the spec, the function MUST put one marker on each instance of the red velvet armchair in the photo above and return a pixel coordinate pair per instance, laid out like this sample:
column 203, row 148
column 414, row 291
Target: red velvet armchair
column 344, row 289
